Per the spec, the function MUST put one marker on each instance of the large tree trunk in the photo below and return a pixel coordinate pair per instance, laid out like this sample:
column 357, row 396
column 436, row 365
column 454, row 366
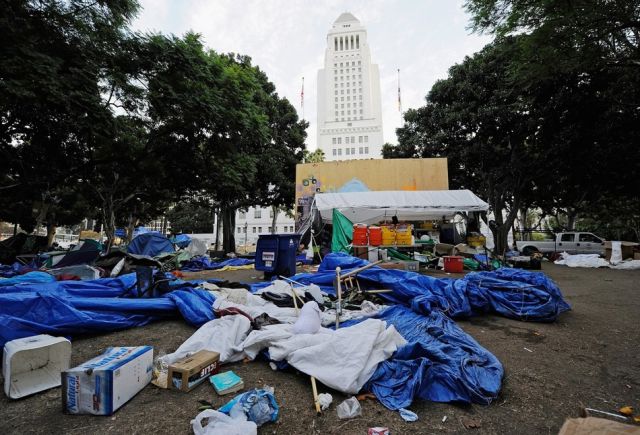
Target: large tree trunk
column 42, row 214
column 109, row 220
column 131, row 227
column 51, row 233
column 228, row 227
column 572, row 215
column 275, row 218
column 218, row 222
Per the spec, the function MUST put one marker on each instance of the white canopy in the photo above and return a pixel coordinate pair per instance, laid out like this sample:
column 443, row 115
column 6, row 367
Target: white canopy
column 373, row 207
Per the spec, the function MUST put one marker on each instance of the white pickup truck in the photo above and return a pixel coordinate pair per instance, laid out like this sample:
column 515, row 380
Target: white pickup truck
column 570, row 242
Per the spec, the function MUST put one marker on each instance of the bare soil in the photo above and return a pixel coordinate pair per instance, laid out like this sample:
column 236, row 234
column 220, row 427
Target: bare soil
column 589, row 357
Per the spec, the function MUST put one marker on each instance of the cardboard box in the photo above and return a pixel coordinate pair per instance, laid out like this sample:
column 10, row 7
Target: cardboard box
column 627, row 248
column 188, row 373
column 102, row 385
column 636, row 255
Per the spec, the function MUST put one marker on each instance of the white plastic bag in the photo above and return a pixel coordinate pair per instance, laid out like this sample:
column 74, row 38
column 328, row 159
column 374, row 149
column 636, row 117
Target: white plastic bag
column 309, row 320
column 616, row 253
column 325, row 399
column 222, row 424
column 349, row 408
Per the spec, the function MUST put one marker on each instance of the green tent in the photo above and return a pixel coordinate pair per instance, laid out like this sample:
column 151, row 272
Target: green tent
column 342, row 233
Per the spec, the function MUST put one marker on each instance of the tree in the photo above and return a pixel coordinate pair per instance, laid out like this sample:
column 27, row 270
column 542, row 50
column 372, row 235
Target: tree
column 191, row 216
column 580, row 62
column 481, row 123
column 316, row 156
column 54, row 55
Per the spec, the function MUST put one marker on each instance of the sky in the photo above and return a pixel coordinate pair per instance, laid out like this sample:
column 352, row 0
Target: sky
column 287, row 40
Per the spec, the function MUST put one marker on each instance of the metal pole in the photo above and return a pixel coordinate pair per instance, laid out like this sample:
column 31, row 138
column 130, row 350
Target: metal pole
column 339, row 293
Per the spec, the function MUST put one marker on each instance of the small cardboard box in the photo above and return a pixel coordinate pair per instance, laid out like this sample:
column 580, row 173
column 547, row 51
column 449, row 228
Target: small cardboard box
column 188, row 373
column 627, row 249
column 103, row 384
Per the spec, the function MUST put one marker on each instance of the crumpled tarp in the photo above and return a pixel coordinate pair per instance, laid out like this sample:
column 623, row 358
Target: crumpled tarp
column 204, row 263
column 441, row 363
column 513, row 293
column 181, row 240
column 69, row 308
column 594, row 261
column 151, row 244
column 27, row 278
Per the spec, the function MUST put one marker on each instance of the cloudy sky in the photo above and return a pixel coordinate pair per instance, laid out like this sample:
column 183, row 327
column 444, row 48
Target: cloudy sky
column 286, row 38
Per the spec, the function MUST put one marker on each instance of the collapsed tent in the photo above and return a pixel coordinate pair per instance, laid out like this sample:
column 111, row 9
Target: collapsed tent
column 85, row 252
column 513, row 293
column 69, row 308
column 151, row 244
column 373, row 207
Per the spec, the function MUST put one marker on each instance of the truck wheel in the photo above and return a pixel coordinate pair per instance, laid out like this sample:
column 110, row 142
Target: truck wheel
column 529, row 250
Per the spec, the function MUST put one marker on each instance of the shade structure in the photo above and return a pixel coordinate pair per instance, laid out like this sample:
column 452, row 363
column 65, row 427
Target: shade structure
column 372, row 207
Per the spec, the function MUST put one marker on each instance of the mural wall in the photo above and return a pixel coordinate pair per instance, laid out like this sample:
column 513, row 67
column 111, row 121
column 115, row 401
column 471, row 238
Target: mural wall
column 367, row 175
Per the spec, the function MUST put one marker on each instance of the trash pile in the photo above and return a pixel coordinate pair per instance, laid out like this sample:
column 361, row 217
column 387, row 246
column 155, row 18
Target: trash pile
column 352, row 326
column 621, row 255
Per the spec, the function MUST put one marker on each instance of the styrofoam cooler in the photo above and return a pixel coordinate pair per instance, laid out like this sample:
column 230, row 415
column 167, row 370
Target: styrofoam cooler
column 33, row 364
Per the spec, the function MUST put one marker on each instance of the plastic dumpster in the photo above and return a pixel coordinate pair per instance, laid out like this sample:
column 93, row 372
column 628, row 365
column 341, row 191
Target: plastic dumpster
column 276, row 254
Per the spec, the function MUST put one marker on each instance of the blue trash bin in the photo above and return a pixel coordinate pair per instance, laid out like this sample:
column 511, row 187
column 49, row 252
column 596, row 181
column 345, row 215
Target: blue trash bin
column 276, row 254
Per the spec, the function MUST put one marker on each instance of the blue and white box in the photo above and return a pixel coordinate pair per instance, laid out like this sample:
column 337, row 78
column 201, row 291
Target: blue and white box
column 103, row 384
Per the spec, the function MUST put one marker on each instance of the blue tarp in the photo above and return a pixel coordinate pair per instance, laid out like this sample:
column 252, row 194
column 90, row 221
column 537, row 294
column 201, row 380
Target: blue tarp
column 70, row 308
column 205, row 263
column 181, row 240
column 151, row 244
column 513, row 293
column 441, row 363
column 27, row 278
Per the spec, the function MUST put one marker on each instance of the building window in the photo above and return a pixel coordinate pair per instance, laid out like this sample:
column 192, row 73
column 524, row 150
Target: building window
column 335, row 79
column 353, row 139
column 358, row 63
column 346, row 139
column 346, row 151
column 336, row 106
column 348, row 98
column 335, row 92
column 360, row 97
column 339, row 151
column 244, row 230
column 361, row 111
column 335, row 44
column 341, row 46
column 340, row 64
column 358, row 44
column 271, row 213
column 360, row 150
column 253, row 229
column 259, row 229
column 353, row 151
column 336, row 113
column 342, row 106
column 342, row 98
column 348, row 112
column 333, row 140
column 257, row 213
column 336, row 99
column 347, row 84
column 334, row 152
column 347, row 91
column 360, row 139
column 339, row 141
column 341, row 91
column 342, row 112
column 366, row 139
column 366, row 150
column 239, row 229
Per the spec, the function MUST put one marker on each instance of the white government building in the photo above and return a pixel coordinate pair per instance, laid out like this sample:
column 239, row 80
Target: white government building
column 349, row 115
column 349, row 107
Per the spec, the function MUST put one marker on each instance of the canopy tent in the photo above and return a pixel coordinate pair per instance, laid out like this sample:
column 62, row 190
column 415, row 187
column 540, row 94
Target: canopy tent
column 373, row 207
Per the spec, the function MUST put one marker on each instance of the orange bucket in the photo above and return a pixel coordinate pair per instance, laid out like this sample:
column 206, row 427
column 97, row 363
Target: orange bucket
column 360, row 237
column 375, row 236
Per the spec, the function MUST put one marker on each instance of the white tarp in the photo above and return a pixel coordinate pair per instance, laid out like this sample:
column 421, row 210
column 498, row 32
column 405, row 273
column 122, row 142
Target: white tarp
column 343, row 360
column 372, row 207
column 595, row 261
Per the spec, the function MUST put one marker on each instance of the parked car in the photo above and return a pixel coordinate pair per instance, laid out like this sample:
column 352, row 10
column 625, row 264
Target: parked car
column 570, row 242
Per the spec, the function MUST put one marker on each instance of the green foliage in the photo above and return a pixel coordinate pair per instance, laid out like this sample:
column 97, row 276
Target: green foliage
column 316, row 156
column 190, row 216
column 98, row 118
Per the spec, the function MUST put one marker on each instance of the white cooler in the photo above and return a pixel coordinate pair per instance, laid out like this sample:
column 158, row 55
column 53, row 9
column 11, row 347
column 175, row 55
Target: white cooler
column 34, row 364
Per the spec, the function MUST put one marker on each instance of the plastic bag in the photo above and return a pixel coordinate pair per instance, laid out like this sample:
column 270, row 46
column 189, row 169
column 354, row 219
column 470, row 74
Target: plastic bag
column 349, row 408
column 309, row 320
column 325, row 400
column 222, row 424
column 259, row 406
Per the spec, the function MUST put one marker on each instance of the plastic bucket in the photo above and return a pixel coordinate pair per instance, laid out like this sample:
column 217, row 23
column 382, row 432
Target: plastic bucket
column 360, row 237
column 375, row 236
column 453, row 264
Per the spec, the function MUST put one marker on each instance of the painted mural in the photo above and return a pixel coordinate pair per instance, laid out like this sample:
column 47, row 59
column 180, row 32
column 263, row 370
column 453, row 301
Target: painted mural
column 365, row 176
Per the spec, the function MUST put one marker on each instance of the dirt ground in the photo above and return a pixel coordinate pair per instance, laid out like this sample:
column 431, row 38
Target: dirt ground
column 589, row 357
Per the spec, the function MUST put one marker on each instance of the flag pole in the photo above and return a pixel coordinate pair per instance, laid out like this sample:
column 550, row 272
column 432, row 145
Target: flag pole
column 399, row 100
column 302, row 98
